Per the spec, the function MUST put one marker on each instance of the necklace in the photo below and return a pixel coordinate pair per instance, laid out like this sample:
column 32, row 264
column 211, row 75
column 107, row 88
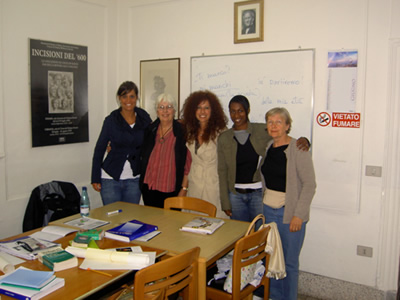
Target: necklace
column 162, row 139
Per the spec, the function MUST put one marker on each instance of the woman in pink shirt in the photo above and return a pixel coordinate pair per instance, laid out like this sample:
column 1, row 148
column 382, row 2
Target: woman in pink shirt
column 165, row 160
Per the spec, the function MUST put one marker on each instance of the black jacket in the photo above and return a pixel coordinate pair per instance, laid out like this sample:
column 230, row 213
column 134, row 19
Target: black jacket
column 49, row 202
column 125, row 144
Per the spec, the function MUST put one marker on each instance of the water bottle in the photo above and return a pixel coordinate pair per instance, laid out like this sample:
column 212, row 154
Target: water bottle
column 85, row 203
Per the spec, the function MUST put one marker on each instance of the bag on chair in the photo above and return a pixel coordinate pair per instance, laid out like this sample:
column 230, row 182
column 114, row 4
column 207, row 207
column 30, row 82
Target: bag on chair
column 248, row 273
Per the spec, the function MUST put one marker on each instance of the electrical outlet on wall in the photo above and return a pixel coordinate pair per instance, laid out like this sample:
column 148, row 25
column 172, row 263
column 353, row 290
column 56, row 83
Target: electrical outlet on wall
column 375, row 171
column 364, row 251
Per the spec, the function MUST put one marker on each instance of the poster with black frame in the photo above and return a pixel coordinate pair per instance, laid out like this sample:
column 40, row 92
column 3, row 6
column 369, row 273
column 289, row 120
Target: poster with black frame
column 59, row 93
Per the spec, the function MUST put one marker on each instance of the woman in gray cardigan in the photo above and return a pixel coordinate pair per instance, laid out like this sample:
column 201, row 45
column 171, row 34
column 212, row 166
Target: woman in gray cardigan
column 289, row 179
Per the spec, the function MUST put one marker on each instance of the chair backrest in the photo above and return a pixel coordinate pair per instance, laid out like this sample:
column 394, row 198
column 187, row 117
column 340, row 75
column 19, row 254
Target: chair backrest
column 191, row 203
column 169, row 276
column 49, row 202
column 248, row 250
column 257, row 222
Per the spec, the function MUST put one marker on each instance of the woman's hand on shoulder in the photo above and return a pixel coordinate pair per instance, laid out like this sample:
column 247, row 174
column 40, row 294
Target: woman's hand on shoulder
column 96, row 186
column 303, row 144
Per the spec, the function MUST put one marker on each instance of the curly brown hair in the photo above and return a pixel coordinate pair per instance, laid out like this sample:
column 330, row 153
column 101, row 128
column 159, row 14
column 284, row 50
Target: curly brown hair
column 216, row 124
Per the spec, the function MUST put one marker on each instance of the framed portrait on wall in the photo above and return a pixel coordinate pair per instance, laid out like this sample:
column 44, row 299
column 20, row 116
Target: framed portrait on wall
column 249, row 21
column 156, row 77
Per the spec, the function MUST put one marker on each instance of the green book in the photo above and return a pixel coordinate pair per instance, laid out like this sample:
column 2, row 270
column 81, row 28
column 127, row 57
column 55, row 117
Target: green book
column 95, row 234
column 81, row 241
column 61, row 260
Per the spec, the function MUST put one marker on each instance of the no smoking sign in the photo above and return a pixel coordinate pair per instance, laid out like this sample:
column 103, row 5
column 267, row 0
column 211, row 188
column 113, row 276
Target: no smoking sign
column 323, row 119
column 339, row 119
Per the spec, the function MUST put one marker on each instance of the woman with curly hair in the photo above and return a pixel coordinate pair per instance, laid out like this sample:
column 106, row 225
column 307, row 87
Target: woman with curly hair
column 204, row 120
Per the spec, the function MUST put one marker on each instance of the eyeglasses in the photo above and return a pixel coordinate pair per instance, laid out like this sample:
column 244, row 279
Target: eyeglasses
column 276, row 123
column 168, row 107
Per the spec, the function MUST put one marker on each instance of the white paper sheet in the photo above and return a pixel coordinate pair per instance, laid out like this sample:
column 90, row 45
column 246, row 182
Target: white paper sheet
column 98, row 259
column 52, row 233
column 104, row 265
column 11, row 258
column 6, row 266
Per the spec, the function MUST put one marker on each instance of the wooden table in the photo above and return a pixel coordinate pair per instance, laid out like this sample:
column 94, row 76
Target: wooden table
column 212, row 247
column 171, row 239
column 79, row 283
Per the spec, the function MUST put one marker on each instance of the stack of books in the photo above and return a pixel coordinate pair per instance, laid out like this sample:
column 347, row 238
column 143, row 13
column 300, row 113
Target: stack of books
column 29, row 284
column 57, row 259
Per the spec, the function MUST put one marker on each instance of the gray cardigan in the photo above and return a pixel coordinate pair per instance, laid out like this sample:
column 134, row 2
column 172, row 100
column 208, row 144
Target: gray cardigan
column 227, row 149
column 300, row 182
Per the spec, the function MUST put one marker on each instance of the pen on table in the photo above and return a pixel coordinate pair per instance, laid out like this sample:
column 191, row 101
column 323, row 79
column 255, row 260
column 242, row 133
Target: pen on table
column 114, row 212
column 100, row 272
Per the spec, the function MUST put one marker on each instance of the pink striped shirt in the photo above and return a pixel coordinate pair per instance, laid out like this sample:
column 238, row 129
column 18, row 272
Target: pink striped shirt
column 161, row 169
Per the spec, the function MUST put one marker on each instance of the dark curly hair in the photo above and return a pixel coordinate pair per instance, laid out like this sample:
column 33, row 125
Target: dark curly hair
column 216, row 124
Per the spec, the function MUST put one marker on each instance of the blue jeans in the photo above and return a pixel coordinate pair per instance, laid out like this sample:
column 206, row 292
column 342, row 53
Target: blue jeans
column 245, row 207
column 286, row 289
column 122, row 190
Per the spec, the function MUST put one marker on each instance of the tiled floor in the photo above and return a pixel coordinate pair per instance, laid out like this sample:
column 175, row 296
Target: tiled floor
column 302, row 297
column 299, row 297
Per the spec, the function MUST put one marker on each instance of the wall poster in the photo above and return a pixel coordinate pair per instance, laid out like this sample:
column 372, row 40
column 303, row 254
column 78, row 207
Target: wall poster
column 342, row 81
column 59, row 93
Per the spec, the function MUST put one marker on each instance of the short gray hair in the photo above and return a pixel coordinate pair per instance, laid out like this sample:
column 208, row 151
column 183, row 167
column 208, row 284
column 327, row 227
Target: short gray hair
column 166, row 98
column 283, row 112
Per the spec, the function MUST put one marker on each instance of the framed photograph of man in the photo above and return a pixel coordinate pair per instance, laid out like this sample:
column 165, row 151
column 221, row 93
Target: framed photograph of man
column 249, row 21
column 157, row 77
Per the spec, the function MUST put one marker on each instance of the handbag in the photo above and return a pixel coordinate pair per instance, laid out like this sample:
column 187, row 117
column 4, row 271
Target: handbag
column 248, row 272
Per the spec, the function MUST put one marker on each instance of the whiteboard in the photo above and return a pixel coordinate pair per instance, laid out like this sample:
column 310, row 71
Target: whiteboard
column 267, row 79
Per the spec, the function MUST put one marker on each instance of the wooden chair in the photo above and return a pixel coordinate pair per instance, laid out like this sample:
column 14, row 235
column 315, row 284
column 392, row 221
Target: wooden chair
column 169, row 276
column 248, row 250
column 191, row 203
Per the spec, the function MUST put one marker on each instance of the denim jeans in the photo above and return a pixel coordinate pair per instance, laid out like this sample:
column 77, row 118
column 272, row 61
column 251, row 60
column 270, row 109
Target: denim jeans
column 122, row 190
column 286, row 289
column 245, row 207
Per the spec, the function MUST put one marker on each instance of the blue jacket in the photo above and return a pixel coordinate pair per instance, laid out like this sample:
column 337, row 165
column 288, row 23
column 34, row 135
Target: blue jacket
column 125, row 144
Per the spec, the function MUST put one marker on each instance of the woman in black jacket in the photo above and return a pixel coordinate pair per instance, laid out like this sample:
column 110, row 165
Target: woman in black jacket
column 117, row 177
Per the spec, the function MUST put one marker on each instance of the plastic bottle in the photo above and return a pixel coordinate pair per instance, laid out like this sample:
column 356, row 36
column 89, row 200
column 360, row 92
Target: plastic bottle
column 85, row 203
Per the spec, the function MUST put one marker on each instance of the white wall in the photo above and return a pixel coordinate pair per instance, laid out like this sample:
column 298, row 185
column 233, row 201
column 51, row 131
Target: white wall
column 23, row 167
column 191, row 28
column 119, row 34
